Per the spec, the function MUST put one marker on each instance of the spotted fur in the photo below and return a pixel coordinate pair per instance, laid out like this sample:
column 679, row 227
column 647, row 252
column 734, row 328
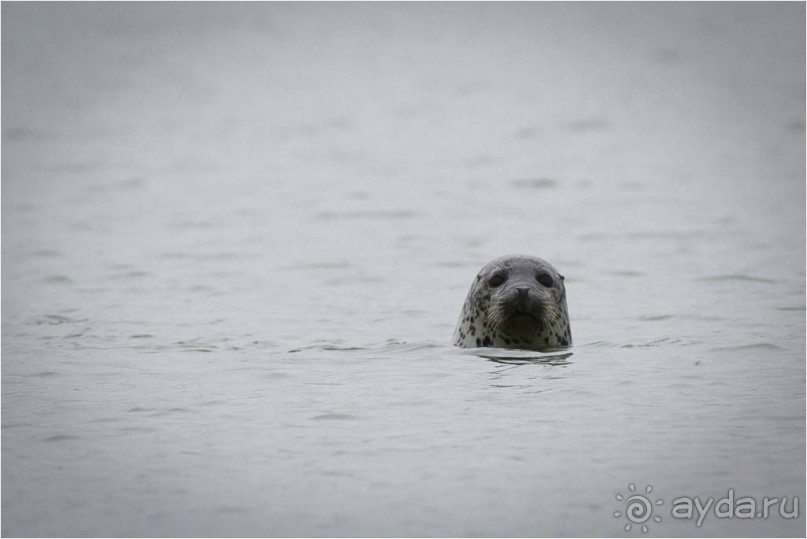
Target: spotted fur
column 515, row 302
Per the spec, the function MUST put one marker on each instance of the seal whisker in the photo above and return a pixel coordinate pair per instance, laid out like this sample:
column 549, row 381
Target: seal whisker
column 495, row 318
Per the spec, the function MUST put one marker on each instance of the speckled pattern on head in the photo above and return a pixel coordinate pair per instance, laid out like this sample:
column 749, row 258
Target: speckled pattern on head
column 516, row 301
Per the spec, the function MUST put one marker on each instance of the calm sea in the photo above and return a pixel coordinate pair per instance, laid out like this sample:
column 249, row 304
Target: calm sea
column 236, row 239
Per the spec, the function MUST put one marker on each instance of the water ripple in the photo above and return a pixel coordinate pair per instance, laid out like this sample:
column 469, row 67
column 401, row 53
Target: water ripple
column 760, row 346
column 366, row 214
column 737, row 277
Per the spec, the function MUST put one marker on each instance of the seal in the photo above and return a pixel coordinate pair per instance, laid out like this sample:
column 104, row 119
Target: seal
column 516, row 301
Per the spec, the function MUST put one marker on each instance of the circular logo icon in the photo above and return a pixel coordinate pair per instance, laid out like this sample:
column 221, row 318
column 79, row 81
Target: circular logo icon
column 638, row 509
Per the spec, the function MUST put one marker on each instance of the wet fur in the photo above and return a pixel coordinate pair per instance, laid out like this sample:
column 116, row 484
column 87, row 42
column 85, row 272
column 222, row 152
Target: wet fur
column 535, row 318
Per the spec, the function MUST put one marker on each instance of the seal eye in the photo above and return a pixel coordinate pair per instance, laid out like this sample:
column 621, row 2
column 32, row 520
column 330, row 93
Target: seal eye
column 545, row 279
column 497, row 280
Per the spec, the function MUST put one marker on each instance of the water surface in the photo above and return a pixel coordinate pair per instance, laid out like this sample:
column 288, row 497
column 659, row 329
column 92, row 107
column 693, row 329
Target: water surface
column 237, row 237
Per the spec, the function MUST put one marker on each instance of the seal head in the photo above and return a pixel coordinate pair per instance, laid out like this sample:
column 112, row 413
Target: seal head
column 515, row 301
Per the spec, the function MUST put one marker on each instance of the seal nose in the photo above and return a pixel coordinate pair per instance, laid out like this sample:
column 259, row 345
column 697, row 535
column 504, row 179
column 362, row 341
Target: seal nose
column 523, row 292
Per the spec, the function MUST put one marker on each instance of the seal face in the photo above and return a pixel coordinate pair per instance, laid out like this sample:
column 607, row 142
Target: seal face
column 516, row 301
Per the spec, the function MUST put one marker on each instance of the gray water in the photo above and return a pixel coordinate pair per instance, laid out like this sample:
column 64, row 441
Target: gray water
column 236, row 239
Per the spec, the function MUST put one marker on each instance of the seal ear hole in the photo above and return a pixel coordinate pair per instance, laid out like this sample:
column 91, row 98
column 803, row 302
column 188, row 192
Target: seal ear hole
column 497, row 280
column 545, row 279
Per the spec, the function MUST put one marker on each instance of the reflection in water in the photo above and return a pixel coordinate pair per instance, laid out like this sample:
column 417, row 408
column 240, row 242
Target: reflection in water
column 519, row 357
